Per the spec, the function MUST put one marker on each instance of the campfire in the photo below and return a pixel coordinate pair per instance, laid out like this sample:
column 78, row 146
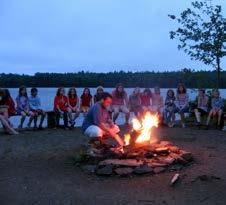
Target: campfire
column 141, row 130
column 143, row 153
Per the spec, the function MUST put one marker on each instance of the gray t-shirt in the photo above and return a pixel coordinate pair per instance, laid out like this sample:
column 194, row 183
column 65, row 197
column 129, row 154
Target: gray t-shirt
column 96, row 115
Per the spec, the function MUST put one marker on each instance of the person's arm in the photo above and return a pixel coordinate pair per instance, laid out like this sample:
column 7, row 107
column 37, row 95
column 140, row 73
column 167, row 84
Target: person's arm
column 199, row 102
column 27, row 107
column 177, row 101
column 30, row 104
column 78, row 103
column 213, row 103
column 18, row 104
column 91, row 102
column 186, row 101
column 129, row 102
column 81, row 101
column 126, row 100
column 56, row 106
column 98, row 121
column 39, row 103
column 221, row 106
column 161, row 103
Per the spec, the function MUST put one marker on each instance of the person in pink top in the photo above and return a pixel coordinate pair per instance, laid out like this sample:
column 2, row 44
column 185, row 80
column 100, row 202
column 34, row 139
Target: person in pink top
column 120, row 102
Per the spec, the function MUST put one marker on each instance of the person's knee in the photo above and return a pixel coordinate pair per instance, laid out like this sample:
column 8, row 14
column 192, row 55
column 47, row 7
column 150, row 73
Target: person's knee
column 116, row 112
column 94, row 131
column 23, row 114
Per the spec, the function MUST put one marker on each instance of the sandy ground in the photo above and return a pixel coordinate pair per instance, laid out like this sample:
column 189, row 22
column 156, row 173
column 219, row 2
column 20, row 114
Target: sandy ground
column 34, row 170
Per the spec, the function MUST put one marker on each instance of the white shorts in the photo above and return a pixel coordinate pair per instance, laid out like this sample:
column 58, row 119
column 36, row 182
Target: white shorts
column 95, row 131
column 120, row 108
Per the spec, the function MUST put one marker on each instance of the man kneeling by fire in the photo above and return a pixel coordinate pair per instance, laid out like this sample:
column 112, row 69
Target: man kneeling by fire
column 97, row 124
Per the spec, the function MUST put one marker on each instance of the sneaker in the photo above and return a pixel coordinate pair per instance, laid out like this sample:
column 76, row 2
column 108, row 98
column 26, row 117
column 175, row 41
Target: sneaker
column 183, row 125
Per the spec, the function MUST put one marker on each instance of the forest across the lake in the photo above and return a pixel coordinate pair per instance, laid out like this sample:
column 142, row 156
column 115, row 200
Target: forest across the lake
column 166, row 79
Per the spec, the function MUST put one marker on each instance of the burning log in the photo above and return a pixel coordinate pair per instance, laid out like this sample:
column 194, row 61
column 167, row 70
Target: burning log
column 141, row 154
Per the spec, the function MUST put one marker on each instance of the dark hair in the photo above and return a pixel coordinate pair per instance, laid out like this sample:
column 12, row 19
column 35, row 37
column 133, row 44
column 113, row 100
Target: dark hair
column 22, row 88
column 202, row 90
column 7, row 93
column 106, row 95
column 70, row 91
column 34, row 90
column 120, row 94
column 58, row 91
column 83, row 94
column 184, row 89
column 147, row 90
column 170, row 90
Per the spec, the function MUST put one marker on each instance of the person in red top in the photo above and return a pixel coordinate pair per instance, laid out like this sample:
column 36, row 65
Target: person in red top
column 61, row 107
column 8, row 101
column 86, row 100
column 73, row 106
column 146, row 99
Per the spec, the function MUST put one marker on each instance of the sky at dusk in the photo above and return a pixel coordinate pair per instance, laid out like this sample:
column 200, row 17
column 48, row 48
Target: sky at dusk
column 91, row 35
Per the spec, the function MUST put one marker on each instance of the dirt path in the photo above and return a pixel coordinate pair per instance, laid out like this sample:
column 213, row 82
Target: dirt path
column 34, row 170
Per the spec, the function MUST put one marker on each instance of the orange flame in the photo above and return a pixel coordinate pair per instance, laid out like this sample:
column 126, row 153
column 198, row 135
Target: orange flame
column 127, row 139
column 145, row 126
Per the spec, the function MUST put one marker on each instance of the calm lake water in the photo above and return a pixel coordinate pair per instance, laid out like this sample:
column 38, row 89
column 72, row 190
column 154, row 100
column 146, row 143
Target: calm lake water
column 47, row 96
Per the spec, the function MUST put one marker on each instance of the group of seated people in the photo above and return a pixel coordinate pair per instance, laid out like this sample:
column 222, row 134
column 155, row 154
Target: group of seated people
column 69, row 106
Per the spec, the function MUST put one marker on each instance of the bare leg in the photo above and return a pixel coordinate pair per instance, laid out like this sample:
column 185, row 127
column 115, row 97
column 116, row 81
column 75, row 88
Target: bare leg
column 173, row 117
column 115, row 116
column 209, row 117
column 182, row 119
column 7, row 126
column 197, row 115
column 23, row 116
column 30, row 120
column 219, row 117
column 127, row 115
column 35, row 121
column 42, row 119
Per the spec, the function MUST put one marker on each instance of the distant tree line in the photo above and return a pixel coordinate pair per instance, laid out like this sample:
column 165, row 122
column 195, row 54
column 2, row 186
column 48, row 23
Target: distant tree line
column 191, row 78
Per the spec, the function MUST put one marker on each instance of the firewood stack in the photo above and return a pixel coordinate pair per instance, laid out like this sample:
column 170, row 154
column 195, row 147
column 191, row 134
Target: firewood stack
column 138, row 159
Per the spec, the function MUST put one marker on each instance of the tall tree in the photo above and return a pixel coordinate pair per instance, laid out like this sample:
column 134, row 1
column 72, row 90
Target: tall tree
column 201, row 33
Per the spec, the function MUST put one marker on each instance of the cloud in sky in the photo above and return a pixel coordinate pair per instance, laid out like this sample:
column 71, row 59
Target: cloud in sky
column 94, row 35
